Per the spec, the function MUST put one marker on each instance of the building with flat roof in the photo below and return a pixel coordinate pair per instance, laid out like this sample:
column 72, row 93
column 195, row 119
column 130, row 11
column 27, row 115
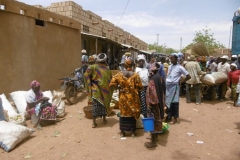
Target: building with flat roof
column 32, row 47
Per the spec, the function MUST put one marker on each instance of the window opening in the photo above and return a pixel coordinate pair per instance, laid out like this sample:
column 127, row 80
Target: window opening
column 103, row 34
column 39, row 22
column 51, row 19
column 2, row 7
column 22, row 12
column 60, row 21
column 85, row 29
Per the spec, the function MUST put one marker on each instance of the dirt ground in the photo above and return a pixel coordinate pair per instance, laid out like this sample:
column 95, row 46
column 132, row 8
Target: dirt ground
column 215, row 123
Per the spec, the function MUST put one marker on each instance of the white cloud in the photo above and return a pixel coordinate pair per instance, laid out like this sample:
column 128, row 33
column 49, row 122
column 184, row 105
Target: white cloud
column 145, row 26
column 143, row 19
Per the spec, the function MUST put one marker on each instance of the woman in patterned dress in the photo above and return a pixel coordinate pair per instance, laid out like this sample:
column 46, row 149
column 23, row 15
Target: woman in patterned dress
column 129, row 84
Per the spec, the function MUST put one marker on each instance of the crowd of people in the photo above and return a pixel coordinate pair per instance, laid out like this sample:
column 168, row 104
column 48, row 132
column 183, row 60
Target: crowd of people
column 144, row 88
column 231, row 68
column 148, row 88
column 154, row 87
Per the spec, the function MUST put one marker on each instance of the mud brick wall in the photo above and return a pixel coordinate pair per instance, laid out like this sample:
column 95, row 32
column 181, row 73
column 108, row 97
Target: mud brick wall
column 94, row 24
column 28, row 51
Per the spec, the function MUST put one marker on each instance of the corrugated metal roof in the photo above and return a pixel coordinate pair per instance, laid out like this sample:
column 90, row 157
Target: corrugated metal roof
column 145, row 51
column 94, row 35
column 126, row 45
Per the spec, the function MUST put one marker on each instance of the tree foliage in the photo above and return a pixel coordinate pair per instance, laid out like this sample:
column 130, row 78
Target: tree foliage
column 161, row 48
column 207, row 38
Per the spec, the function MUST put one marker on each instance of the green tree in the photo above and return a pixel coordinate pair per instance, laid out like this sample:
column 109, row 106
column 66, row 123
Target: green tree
column 207, row 38
column 161, row 48
column 155, row 47
column 170, row 51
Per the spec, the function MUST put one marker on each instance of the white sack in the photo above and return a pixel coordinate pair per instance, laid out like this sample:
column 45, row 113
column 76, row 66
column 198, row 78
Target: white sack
column 18, row 98
column 219, row 77
column 238, row 88
column 214, row 78
column 49, row 95
column 57, row 100
column 7, row 106
column 11, row 134
column 208, row 79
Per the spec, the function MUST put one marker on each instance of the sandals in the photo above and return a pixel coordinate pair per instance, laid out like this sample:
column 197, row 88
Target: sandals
column 133, row 135
column 173, row 121
column 94, row 125
column 38, row 126
column 150, row 145
column 105, row 121
column 122, row 134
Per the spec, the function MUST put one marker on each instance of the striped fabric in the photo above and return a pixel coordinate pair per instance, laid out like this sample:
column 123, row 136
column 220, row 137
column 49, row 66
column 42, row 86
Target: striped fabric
column 97, row 79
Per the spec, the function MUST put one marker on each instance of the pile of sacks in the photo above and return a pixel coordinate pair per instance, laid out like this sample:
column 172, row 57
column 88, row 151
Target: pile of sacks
column 13, row 119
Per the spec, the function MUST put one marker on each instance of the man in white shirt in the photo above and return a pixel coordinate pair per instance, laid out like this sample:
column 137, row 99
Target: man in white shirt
column 175, row 72
column 223, row 67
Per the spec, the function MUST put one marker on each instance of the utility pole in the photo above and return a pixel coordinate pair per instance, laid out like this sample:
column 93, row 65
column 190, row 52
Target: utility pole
column 230, row 39
column 157, row 42
column 180, row 44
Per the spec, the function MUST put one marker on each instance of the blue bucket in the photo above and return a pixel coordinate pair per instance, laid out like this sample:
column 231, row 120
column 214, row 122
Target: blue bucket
column 148, row 124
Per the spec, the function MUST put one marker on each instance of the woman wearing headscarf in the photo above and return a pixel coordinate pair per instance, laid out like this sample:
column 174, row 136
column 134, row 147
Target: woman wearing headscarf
column 34, row 98
column 156, row 102
column 233, row 80
column 124, row 57
column 143, row 73
column 129, row 83
column 97, row 77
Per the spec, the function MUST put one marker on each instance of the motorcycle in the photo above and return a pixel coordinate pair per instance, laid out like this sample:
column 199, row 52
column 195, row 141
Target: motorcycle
column 72, row 86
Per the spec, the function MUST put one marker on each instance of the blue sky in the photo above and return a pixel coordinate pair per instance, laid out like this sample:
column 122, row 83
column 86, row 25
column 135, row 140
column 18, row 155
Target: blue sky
column 171, row 19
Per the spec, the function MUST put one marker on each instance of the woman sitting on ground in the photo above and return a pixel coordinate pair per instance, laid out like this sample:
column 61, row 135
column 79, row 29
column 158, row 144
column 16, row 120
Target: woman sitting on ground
column 34, row 98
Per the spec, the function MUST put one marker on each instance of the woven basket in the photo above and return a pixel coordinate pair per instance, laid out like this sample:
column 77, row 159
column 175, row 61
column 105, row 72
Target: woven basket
column 20, row 122
column 200, row 49
column 88, row 112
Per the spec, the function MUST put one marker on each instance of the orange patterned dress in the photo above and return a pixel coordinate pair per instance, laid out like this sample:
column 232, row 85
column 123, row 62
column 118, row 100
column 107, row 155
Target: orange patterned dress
column 129, row 102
